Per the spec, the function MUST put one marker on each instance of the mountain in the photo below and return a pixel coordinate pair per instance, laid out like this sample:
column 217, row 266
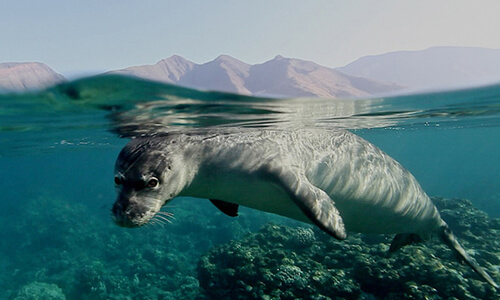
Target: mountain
column 222, row 74
column 281, row 76
column 167, row 70
column 433, row 68
column 299, row 78
column 15, row 77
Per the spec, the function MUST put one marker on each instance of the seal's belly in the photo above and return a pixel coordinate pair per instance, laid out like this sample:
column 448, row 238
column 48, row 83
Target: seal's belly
column 269, row 197
column 249, row 190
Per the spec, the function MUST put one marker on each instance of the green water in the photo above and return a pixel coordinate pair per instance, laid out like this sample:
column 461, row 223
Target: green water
column 57, row 153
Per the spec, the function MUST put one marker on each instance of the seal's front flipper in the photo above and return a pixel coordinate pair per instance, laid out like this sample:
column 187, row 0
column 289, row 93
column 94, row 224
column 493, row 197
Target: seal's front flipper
column 314, row 203
column 403, row 239
column 229, row 209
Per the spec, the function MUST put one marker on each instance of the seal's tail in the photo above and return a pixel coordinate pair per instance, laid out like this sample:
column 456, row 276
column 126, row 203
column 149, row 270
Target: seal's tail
column 447, row 236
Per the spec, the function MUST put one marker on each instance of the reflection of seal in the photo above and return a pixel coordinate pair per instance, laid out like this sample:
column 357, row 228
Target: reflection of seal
column 333, row 179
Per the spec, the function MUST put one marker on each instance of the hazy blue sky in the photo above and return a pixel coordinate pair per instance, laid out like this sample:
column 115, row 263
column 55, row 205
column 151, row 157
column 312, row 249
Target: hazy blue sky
column 88, row 35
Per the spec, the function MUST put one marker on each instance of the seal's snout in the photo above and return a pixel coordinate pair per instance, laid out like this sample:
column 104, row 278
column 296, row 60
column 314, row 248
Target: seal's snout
column 128, row 214
column 117, row 209
column 119, row 214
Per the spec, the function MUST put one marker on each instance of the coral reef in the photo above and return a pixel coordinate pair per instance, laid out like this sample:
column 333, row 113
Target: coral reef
column 280, row 262
column 78, row 249
column 40, row 291
column 55, row 249
column 69, row 247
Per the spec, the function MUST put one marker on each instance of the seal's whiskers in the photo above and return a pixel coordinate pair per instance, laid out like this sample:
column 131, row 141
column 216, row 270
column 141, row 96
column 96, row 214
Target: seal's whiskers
column 166, row 213
column 155, row 222
column 164, row 216
column 163, row 219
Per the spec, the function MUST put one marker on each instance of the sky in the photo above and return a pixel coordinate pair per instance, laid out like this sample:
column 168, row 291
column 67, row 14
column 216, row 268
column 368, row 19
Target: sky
column 74, row 37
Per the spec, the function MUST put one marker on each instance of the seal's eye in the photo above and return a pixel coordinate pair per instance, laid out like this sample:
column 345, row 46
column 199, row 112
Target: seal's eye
column 153, row 182
column 118, row 180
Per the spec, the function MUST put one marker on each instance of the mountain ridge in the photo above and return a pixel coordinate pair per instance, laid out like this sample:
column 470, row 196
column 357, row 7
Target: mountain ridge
column 433, row 68
column 281, row 77
column 18, row 76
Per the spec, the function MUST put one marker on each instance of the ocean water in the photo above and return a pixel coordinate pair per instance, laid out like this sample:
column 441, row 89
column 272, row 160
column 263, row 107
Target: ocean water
column 57, row 154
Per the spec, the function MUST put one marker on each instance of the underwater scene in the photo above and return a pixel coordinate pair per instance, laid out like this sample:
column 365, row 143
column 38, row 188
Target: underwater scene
column 58, row 149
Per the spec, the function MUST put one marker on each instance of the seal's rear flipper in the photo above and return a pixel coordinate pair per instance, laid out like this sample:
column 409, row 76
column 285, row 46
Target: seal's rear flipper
column 403, row 239
column 229, row 209
column 449, row 239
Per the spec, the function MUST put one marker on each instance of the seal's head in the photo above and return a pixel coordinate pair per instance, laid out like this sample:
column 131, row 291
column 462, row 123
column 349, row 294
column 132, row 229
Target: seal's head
column 145, row 181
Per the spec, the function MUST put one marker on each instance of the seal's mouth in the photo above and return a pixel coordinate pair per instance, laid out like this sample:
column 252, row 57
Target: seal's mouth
column 131, row 216
column 124, row 222
column 131, row 222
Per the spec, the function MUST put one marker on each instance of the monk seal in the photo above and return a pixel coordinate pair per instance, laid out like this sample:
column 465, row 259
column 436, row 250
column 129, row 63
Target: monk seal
column 331, row 178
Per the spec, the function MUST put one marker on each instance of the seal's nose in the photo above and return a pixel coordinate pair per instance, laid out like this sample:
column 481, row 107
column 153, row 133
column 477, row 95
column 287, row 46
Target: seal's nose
column 117, row 212
column 121, row 211
column 117, row 209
